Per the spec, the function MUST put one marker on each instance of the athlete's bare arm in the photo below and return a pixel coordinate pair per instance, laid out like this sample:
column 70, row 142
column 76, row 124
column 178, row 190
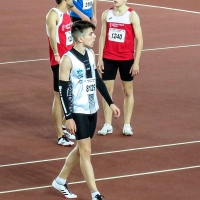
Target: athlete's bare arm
column 51, row 21
column 94, row 12
column 102, row 41
column 80, row 14
column 65, row 68
column 77, row 11
column 135, row 20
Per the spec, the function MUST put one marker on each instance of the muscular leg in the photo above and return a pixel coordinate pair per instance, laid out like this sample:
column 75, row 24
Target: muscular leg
column 84, row 146
column 106, row 108
column 70, row 162
column 57, row 114
column 63, row 121
column 127, row 87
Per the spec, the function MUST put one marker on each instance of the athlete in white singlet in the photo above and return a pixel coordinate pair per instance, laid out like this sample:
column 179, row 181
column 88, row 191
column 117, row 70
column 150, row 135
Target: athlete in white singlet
column 79, row 80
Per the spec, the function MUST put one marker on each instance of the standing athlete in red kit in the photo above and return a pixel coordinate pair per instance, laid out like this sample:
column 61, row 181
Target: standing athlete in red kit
column 58, row 26
column 120, row 47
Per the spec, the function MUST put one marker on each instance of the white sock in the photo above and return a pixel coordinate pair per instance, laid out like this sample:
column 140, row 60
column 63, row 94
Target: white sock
column 127, row 124
column 60, row 181
column 94, row 194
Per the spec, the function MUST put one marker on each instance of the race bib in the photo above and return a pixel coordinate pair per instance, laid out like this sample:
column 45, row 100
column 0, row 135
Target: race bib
column 116, row 35
column 89, row 86
column 69, row 39
column 87, row 4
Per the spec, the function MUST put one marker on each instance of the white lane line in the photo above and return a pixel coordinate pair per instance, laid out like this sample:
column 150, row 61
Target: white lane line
column 108, row 178
column 160, row 7
column 104, row 153
column 153, row 49
column 174, row 47
column 24, row 61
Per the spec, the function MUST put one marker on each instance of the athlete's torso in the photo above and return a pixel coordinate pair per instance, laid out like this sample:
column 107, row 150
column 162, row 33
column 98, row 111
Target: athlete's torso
column 85, row 6
column 63, row 36
column 82, row 87
column 119, row 44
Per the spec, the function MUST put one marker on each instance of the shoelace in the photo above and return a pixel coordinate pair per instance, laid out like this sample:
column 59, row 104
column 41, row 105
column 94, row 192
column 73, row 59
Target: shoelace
column 67, row 188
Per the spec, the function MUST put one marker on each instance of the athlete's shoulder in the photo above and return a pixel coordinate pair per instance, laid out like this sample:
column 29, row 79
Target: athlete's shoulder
column 52, row 14
column 105, row 12
column 66, row 60
column 130, row 9
column 134, row 14
column 134, row 18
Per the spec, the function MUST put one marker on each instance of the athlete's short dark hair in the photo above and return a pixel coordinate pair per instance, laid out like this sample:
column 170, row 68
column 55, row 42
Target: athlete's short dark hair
column 58, row 1
column 79, row 27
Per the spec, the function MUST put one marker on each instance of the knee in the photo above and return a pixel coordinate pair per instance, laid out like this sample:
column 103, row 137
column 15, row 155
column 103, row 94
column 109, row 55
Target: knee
column 128, row 92
column 85, row 152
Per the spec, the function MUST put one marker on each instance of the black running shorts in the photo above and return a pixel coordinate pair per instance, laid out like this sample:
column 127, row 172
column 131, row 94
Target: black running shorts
column 111, row 67
column 85, row 124
column 55, row 70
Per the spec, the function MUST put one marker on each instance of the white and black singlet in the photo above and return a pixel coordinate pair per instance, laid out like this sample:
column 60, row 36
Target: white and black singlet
column 83, row 80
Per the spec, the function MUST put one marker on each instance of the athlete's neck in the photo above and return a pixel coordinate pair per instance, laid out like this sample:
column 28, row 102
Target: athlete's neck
column 120, row 10
column 62, row 8
column 80, row 49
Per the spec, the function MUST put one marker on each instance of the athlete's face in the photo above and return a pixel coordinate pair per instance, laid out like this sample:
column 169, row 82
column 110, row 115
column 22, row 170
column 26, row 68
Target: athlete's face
column 69, row 3
column 89, row 38
column 118, row 3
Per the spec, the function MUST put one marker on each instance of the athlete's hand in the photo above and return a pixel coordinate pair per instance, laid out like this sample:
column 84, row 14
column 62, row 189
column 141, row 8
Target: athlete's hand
column 100, row 66
column 57, row 58
column 134, row 69
column 70, row 126
column 116, row 110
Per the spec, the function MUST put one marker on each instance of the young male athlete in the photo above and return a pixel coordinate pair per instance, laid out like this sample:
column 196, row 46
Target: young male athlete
column 79, row 80
column 58, row 26
column 87, row 7
column 121, row 35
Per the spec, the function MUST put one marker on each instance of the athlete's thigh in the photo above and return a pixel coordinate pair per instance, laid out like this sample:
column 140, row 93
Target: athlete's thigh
column 124, row 70
column 110, row 70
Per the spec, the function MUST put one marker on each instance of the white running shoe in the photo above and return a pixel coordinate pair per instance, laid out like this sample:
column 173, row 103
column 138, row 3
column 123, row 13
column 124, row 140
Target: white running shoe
column 127, row 130
column 64, row 189
column 64, row 141
column 98, row 197
column 69, row 135
column 107, row 128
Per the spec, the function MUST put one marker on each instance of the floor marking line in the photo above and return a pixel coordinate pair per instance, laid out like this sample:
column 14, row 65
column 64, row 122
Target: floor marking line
column 23, row 61
column 175, row 47
column 153, row 49
column 102, row 153
column 159, row 7
column 108, row 178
